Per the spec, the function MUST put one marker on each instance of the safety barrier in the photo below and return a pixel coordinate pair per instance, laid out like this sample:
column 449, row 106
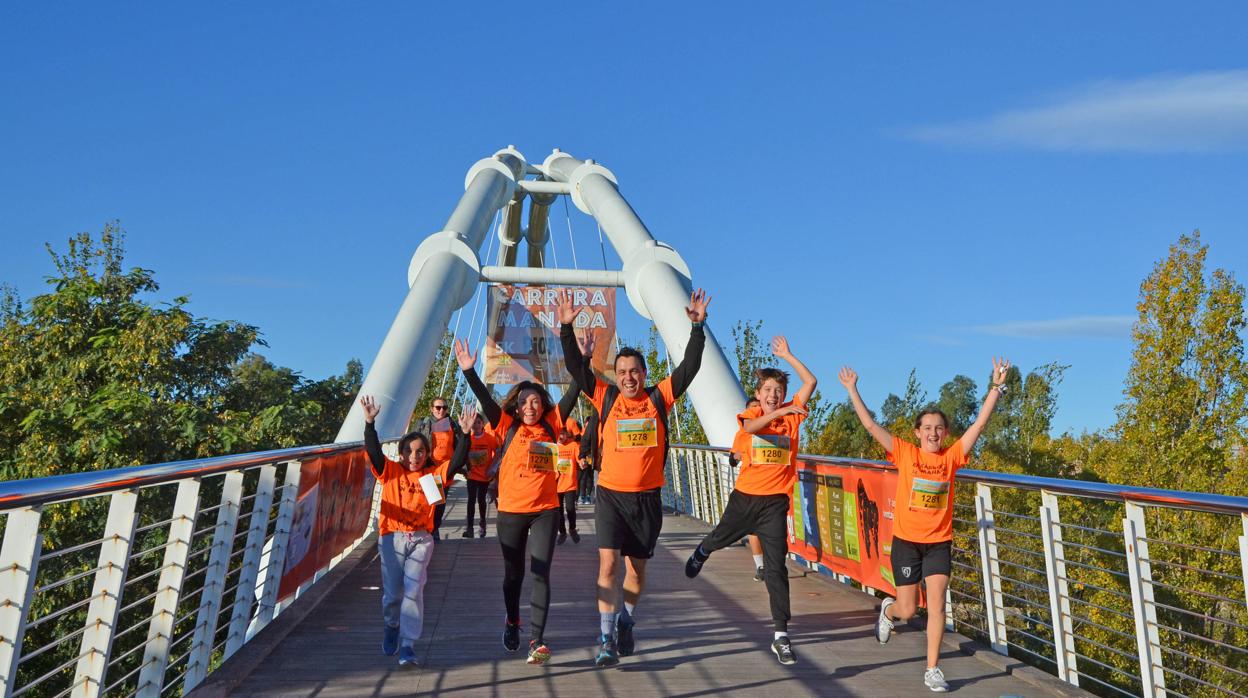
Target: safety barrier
column 1149, row 587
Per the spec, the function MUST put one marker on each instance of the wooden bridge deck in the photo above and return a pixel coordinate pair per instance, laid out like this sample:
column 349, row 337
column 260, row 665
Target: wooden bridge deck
column 708, row 636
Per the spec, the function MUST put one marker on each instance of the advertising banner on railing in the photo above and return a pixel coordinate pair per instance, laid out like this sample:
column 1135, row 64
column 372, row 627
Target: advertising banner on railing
column 842, row 518
column 331, row 512
column 522, row 341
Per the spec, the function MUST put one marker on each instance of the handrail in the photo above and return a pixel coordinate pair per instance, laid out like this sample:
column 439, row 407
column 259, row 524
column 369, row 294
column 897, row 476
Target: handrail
column 55, row 488
column 1198, row 501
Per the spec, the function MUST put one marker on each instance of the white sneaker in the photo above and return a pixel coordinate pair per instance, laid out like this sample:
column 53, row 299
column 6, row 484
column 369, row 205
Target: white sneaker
column 935, row 680
column 884, row 626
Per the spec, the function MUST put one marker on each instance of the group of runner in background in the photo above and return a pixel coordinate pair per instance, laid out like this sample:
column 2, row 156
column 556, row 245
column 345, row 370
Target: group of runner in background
column 534, row 450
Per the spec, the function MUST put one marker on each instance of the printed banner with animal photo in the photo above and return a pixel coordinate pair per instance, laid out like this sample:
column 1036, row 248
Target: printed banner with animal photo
column 842, row 518
column 331, row 512
column 522, row 342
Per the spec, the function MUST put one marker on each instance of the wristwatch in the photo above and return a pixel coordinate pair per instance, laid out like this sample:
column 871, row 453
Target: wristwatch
column 1001, row 387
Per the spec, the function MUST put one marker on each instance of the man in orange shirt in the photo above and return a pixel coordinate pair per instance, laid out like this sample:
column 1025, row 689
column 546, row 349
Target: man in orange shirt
column 923, row 513
column 759, row 503
column 633, row 427
column 442, row 439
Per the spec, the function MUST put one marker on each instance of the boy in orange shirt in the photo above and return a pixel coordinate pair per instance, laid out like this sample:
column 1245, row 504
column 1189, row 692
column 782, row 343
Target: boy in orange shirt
column 568, row 467
column 759, row 503
column 405, row 526
column 923, row 514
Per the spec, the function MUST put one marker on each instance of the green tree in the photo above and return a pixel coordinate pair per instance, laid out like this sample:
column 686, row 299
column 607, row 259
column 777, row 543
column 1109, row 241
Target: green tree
column 959, row 401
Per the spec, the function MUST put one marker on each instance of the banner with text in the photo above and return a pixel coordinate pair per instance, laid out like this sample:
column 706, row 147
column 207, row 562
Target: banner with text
column 523, row 339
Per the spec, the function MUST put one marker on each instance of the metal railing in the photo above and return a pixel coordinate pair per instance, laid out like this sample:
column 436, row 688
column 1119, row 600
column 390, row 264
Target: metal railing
column 1120, row 590
column 141, row 580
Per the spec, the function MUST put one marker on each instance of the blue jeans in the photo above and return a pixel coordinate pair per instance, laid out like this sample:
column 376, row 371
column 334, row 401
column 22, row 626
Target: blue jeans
column 404, row 569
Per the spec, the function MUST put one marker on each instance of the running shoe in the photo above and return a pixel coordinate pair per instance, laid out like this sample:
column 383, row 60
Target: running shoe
column 482, row 531
column 693, row 567
column 607, row 655
column 539, row 653
column 884, row 626
column 758, row 574
column 563, row 536
column 624, row 636
column 576, row 537
column 935, row 680
column 468, row 532
column 390, row 641
column 783, row 650
column 407, row 656
column 511, row 637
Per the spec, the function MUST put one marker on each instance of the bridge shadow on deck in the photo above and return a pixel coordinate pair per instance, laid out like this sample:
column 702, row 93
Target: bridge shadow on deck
column 708, row 636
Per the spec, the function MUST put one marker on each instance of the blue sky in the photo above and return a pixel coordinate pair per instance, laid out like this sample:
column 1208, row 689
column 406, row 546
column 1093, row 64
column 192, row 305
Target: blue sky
column 892, row 185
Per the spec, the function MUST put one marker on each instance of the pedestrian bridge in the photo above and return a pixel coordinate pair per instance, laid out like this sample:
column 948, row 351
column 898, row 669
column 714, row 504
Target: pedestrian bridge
column 168, row 588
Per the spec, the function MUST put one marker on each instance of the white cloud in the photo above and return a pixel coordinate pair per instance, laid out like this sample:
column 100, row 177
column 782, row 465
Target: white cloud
column 1193, row 112
column 1086, row 326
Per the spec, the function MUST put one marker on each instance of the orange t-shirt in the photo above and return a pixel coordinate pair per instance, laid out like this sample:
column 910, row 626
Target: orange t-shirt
column 526, row 476
column 567, row 466
column 443, row 441
column 480, row 455
column 633, row 440
column 769, row 457
column 403, row 504
column 924, row 509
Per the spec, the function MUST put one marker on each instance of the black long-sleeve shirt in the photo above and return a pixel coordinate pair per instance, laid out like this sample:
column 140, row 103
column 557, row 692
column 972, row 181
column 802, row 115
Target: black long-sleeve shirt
column 583, row 372
column 459, row 459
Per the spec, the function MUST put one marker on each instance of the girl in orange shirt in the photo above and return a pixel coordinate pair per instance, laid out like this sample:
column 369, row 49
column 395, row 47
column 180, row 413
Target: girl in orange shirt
column 527, row 426
column 568, row 467
column 923, row 512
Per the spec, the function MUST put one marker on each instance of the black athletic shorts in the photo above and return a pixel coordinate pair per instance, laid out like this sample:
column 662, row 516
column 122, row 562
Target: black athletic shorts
column 915, row 561
column 629, row 521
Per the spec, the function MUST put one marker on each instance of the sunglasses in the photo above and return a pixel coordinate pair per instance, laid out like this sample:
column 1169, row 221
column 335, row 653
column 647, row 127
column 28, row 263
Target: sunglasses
column 439, row 407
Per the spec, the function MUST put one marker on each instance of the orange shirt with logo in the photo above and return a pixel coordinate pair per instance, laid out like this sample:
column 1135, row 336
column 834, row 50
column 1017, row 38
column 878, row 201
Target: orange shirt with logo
column 567, row 466
column 527, row 477
column 633, row 440
column 480, row 455
column 403, row 504
column 769, row 456
column 924, row 508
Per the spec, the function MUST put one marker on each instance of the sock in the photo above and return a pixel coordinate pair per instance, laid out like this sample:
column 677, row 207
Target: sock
column 606, row 623
column 629, row 609
column 699, row 554
column 758, row 560
column 781, row 633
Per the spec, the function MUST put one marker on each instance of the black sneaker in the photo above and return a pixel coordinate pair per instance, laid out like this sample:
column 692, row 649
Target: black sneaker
column 511, row 637
column 624, row 637
column 563, row 536
column 576, row 537
column 783, row 650
column 693, row 567
column 468, row 532
column 758, row 574
column 607, row 655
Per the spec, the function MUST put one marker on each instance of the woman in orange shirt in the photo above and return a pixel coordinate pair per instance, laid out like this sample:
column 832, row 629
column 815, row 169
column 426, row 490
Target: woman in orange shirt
column 527, row 426
column 923, row 513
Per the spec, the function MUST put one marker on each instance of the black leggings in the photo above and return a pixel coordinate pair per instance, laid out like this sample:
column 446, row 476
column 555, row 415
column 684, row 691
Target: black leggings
column 476, row 493
column 586, row 483
column 764, row 516
column 568, row 501
column 537, row 533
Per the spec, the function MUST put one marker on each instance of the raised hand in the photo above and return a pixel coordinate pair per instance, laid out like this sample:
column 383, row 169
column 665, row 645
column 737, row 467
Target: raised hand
column 370, row 407
column 466, row 418
column 780, row 347
column 1000, row 369
column 586, row 342
column 466, row 358
column 788, row 410
column 696, row 310
column 565, row 311
column 849, row 378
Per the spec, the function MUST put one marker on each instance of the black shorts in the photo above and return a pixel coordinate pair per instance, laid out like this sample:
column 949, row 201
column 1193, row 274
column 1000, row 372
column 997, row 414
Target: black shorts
column 915, row 561
column 629, row 522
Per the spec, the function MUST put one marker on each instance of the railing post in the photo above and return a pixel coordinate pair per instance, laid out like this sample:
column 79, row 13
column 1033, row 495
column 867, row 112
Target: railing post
column 994, row 602
column 245, row 594
column 102, row 613
column 1243, row 554
column 214, row 581
column 1140, row 570
column 169, row 590
column 19, row 561
column 269, row 607
column 1059, row 592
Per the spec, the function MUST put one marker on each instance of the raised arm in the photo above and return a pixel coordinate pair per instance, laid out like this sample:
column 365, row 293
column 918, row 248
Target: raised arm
column 756, row 424
column 463, row 440
column 567, row 403
column 466, row 360
column 780, row 347
column 1000, row 368
column 372, row 444
column 582, row 370
column 684, row 374
column 849, row 379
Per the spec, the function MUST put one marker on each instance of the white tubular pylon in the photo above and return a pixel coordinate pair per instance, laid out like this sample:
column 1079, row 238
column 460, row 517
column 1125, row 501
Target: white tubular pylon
column 443, row 274
column 658, row 283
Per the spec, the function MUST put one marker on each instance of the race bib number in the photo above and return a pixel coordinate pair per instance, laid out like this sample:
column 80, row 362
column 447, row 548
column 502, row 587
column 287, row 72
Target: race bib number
column 542, row 456
column 636, row 433
column 769, row 449
column 929, row 494
column 564, row 465
column 478, row 458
